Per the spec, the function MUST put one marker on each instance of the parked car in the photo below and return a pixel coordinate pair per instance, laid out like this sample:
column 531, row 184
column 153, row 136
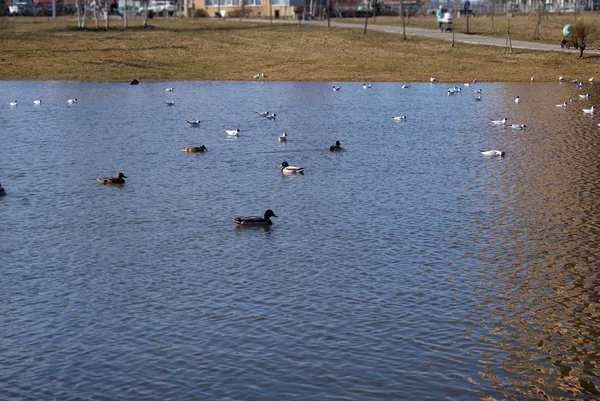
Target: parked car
column 159, row 8
column 23, row 8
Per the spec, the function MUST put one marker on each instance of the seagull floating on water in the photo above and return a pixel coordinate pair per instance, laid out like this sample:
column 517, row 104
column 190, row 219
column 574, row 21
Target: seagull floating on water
column 195, row 149
column 171, row 103
column 271, row 116
column 405, row 86
column 399, row 118
column 492, row 153
column 72, row 101
column 169, row 89
column 14, row 103
column 283, row 137
column 118, row 180
column 233, row 132
column 589, row 111
column 500, row 122
column 194, row 123
column 518, row 126
column 38, row 101
column 287, row 169
column 263, row 114
column 477, row 91
column 264, row 221
column 336, row 88
column 365, row 86
column 478, row 97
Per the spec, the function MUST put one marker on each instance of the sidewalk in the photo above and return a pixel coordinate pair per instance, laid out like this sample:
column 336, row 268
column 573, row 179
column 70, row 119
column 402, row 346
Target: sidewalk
column 436, row 34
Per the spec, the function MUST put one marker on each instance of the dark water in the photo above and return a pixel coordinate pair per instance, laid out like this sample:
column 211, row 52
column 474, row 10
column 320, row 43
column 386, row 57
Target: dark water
column 408, row 266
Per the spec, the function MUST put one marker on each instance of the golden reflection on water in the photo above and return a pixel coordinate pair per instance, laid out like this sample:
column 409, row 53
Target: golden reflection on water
column 543, row 248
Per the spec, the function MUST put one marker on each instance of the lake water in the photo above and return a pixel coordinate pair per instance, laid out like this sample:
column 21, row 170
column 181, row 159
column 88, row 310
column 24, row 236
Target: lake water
column 407, row 266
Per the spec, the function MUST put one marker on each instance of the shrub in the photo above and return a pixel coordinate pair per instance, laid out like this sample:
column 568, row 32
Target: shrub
column 201, row 13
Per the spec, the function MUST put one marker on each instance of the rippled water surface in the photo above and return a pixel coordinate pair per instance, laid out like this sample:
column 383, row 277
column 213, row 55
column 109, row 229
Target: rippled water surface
column 407, row 266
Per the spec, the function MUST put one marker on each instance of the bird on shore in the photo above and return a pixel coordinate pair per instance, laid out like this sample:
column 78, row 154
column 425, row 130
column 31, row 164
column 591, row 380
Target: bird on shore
column 562, row 105
column 287, row 169
column 500, row 122
column 531, row 79
column 233, row 132
column 586, row 96
column 561, row 78
column 589, row 111
column 591, row 80
column 72, row 101
column 492, row 153
column 432, row 80
column 14, row 103
column 195, row 149
column 518, row 99
column 38, row 101
column 118, row 180
column 193, row 123
column 257, row 76
column 336, row 147
column 283, row 137
column 263, row 221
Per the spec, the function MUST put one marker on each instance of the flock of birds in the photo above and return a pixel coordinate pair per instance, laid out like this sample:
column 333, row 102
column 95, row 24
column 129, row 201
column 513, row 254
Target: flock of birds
column 286, row 168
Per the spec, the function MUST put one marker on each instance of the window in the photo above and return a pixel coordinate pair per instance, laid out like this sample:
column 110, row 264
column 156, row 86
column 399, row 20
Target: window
column 223, row 3
column 281, row 2
column 252, row 2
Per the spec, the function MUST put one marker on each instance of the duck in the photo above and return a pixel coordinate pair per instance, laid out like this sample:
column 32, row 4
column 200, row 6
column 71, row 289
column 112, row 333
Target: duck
column 134, row 82
column 2, row 191
column 399, row 118
column 194, row 123
column 365, row 86
column 195, row 149
column 118, row 180
column 586, row 96
column 72, row 101
column 336, row 88
column 171, row 103
column 589, row 111
column 169, row 89
column 14, row 103
column 287, row 169
column 263, row 114
column 38, row 101
column 283, row 137
column 258, row 221
column 336, row 147
column 518, row 99
column 562, row 105
column 405, row 86
column 492, row 153
column 233, row 132
column 500, row 122
column 518, row 126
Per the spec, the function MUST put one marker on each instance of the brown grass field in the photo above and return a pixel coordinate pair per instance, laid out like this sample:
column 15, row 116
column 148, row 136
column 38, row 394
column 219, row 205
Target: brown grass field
column 218, row 49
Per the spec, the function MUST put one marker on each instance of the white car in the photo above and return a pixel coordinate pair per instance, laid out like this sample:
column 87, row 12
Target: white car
column 159, row 7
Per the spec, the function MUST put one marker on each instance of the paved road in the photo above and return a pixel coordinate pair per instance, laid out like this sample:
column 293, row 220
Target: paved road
column 436, row 34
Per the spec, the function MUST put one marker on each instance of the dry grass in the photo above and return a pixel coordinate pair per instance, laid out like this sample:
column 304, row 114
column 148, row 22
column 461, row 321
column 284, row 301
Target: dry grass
column 210, row 49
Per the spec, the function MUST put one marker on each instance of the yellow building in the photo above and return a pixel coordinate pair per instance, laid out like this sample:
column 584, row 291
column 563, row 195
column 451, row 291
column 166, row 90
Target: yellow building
column 250, row 8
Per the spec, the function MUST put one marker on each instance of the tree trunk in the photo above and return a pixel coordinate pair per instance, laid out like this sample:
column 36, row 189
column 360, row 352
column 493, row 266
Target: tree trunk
column 78, row 7
column 403, row 21
column 96, row 15
column 367, row 17
column 328, row 12
column 106, row 10
column 125, row 23
column 145, row 18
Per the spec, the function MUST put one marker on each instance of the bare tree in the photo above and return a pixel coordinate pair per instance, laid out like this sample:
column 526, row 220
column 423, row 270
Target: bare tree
column 78, row 8
column 145, row 17
column 367, row 17
column 493, row 4
column 539, row 34
column 107, row 13
column 95, row 4
column 403, row 21
column 581, row 35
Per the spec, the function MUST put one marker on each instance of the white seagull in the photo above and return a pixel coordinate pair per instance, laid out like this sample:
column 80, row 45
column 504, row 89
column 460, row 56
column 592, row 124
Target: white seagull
column 336, row 88
column 233, row 132
column 194, row 123
column 591, row 80
column 256, row 76
column 531, row 79
column 263, row 114
column 171, row 103
column 38, row 101
column 563, row 105
column 365, row 86
column 72, row 101
column 492, row 152
column 561, row 78
column 518, row 100
column 14, row 103
column 478, row 97
column 263, row 75
column 589, row 111
column 405, row 86
column 518, row 126
column 399, row 118
column 169, row 89
column 432, row 80
column 500, row 122
column 271, row 116
column 283, row 137
column 586, row 96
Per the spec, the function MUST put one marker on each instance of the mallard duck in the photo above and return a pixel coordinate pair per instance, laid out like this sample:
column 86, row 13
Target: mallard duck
column 233, row 132
column 492, row 153
column 335, row 147
column 2, row 191
column 195, row 123
column 194, row 149
column 119, row 179
column 287, row 169
column 264, row 221
column 134, row 82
